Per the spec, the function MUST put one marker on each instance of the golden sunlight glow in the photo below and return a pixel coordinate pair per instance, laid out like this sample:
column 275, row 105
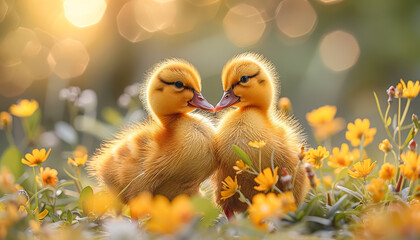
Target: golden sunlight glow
column 19, row 43
column 68, row 58
column 84, row 13
column 330, row 1
column 14, row 80
column 339, row 50
column 244, row 25
column 128, row 26
column 3, row 9
column 155, row 15
column 296, row 18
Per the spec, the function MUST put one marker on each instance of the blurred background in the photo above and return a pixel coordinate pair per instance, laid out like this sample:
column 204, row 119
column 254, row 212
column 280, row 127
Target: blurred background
column 327, row 52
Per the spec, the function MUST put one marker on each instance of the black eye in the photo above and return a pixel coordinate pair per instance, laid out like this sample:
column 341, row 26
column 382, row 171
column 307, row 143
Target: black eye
column 244, row 79
column 179, row 84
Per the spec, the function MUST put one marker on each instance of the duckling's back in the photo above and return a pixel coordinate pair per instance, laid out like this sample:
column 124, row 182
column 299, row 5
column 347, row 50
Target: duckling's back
column 241, row 126
column 167, row 161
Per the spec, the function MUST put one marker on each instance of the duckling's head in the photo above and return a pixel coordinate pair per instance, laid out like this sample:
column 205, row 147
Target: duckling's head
column 249, row 80
column 174, row 87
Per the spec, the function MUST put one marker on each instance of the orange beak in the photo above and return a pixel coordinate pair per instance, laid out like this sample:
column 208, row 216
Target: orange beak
column 198, row 101
column 228, row 99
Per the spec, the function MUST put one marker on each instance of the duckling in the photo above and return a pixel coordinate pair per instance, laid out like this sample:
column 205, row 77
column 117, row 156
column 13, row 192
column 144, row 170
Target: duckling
column 172, row 152
column 250, row 85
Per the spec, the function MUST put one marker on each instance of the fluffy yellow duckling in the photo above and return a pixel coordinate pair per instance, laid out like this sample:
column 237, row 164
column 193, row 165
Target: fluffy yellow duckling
column 250, row 84
column 173, row 151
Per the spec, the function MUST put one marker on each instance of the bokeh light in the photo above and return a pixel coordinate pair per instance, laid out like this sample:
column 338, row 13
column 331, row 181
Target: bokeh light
column 244, row 25
column 155, row 15
column 330, row 1
column 339, row 50
column 128, row 26
column 19, row 43
column 14, row 80
column 3, row 9
column 68, row 58
column 37, row 65
column 84, row 13
column 296, row 18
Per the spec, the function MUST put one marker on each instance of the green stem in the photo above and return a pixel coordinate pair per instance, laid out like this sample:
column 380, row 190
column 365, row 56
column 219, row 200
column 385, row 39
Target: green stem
column 122, row 191
column 364, row 188
column 243, row 198
column 399, row 122
column 405, row 112
column 362, row 143
column 385, row 158
column 387, row 111
column 36, row 188
column 409, row 188
column 9, row 137
column 277, row 189
column 322, row 179
column 259, row 155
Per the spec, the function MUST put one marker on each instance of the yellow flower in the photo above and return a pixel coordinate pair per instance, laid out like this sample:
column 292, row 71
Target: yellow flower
column 24, row 108
column 356, row 154
column 41, row 215
column 417, row 193
column 315, row 156
column 230, row 187
column 80, row 151
column 99, row 203
column 385, row 146
column 240, row 167
column 170, row 217
column 411, row 167
column 340, row 159
column 324, row 123
column 257, row 144
column 327, row 181
column 37, row 157
column 270, row 206
column 357, row 130
column 7, row 182
column 387, row 172
column 78, row 161
column 377, row 188
column 285, row 104
column 410, row 90
column 266, row 179
column 141, row 205
column 362, row 169
column 49, row 176
column 5, row 120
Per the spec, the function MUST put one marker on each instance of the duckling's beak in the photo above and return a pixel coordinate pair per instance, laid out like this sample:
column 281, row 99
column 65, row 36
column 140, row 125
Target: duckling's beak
column 198, row 101
column 229, row 98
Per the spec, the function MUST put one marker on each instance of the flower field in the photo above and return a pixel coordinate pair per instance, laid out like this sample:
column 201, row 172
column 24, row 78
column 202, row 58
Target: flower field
column 350, row 195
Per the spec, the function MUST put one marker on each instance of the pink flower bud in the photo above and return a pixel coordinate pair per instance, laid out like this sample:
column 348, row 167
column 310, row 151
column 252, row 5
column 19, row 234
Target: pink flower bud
column 412, row 145
column 391, row 94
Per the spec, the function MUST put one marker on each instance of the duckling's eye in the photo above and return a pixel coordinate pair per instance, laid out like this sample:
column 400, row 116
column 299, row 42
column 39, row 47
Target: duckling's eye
column 179, row 84
column 244, row 79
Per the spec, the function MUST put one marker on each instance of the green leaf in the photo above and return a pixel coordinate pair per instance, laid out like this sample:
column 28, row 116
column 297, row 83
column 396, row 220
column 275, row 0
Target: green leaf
column 379, row 107
column 112, row 116
column 388, row 122
column 410, row 136
column 86, row 193
column 207, row 209
column 242, row 155
column 333, row 209
column 11, row 159
column 33, row 123
column 341, row 175
column 351, row 192
column 69, row 217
